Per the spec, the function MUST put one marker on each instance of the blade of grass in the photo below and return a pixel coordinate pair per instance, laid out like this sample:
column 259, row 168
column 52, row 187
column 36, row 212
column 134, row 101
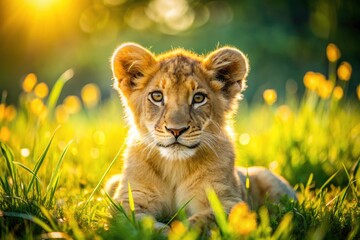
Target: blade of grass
column 352, row 179
column 218, row 210
column 27, row 169
column 284, row 229
column 8, row 155
column 40, row 161
column 56, row 90
column 326, row 183
column 117, row 206
column 265, row 221
column 310, row 180
column 103, row 176
column 56, row 175
column 355, row 168
column 179, row 210
column 31, row 218
column 48, row 217
column 131, row 204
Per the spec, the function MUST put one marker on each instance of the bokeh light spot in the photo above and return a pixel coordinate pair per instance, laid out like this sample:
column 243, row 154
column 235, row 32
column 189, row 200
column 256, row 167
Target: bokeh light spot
column 72, row 104
column 61, row 114
column 244, row 139
column 283, row 113
column 99, row 137
column 173, row 16
column 273, row 165
column 25, row 152
column 270, row 96
column 94, row 18
column 137, row 19
column 90, row 95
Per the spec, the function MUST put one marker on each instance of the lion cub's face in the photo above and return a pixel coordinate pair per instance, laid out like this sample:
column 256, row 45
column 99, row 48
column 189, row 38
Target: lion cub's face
column 178, row 101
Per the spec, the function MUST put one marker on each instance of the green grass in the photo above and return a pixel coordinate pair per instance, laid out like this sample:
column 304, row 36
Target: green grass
column 53, row 170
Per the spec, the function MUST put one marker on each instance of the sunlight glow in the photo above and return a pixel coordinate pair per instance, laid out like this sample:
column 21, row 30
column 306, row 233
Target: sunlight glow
column 43, row 4
column 41, row 23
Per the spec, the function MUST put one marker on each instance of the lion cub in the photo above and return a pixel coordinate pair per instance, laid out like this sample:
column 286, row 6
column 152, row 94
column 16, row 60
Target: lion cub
column 178, row 105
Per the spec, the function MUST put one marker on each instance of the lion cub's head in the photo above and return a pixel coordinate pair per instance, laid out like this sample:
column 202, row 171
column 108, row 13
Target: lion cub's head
column 179, row 101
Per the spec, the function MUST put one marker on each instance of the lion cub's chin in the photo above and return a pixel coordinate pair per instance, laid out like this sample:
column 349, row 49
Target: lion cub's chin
column 177, row 152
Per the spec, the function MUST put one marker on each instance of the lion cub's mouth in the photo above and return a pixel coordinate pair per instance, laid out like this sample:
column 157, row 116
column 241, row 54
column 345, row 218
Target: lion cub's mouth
column 176, row 144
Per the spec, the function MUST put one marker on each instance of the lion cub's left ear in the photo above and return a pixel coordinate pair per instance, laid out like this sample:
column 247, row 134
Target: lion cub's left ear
column 228, row 68
column 131, row 63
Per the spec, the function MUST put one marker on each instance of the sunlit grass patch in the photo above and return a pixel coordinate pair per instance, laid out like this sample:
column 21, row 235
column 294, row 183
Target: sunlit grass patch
column 52, row 177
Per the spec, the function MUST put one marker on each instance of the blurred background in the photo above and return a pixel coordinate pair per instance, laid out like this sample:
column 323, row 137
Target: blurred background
column 283, row 39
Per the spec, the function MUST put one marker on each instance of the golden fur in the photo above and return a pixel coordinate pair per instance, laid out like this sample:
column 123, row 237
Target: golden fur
column 179, row 105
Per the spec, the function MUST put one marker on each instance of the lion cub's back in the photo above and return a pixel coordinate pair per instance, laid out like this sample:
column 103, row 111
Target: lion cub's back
column 264, row 185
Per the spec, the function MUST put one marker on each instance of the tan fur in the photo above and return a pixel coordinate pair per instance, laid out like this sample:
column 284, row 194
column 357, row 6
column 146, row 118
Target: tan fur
column 166, row 169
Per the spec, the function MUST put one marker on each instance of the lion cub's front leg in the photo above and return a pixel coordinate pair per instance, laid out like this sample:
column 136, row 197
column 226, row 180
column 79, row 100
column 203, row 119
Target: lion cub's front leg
column 228, row 191
column 148, row 200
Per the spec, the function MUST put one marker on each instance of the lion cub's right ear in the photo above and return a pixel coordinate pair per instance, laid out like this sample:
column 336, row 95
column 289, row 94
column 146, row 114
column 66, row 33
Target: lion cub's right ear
column 130, row 64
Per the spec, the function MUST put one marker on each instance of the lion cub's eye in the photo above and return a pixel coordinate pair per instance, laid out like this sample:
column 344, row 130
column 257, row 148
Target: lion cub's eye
column 199, row 99
column 156, row 97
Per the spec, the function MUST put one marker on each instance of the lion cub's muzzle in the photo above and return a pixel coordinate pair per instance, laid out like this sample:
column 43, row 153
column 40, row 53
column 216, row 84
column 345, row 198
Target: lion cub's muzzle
column 176, row 132
column 179, row 137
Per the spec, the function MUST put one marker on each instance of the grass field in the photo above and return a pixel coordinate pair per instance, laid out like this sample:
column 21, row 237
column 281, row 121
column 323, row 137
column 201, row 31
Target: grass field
column 56, row 156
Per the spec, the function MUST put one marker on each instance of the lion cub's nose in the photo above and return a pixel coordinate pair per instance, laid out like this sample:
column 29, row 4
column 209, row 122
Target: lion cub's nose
column 177, row 131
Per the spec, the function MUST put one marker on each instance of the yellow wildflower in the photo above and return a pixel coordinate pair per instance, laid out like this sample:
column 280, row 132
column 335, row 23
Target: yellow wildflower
column 90, row 95
column 41, row 90
column 177, row 231
column 344, row 71
column 2, row 111
column 325, row 89
column 4, row 134
column 312, row 80
column 358, row 91
column 241, row 220
column 332, row 52
column 37, row 106
column 338, row 93
column 10, row 113
column 270, row 96
column 72, row 104
column 29, row 82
